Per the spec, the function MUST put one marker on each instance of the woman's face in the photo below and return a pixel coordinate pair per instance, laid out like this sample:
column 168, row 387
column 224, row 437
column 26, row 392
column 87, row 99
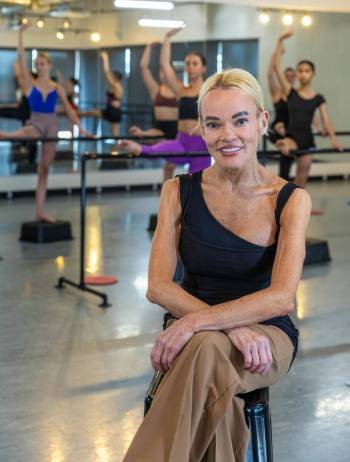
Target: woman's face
column 194, row 67
column 305, row 74
column 232, row 126
column 290, row 75
column 43, row 66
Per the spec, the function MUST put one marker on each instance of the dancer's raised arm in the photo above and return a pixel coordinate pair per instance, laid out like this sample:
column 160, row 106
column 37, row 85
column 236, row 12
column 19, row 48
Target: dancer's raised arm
column 165, row 62
column 24, row 74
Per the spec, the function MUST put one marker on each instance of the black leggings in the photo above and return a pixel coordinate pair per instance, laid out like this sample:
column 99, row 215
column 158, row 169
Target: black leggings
column 21, row 112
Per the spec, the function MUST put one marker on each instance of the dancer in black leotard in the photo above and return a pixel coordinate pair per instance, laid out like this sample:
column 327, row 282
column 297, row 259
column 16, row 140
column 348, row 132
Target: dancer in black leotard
column 20, row 110
column 112, row 112
column 280, row 123
column 302, row 104
column 165, row 104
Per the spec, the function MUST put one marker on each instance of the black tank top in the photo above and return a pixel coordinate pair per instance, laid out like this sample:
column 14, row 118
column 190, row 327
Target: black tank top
column 281, row 113
column 188, row 108
column 220, row 266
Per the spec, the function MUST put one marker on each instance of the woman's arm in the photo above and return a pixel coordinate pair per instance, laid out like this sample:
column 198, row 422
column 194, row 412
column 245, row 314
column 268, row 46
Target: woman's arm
column 236, row 316
column 71, row 113
column 285, row 85
column 165, row 63
column 151, row 84
column 274, row 88
column 278, row 298
column 61, row 80
column 139, row 133
column 106, row 69
column 24, row 75
column 328, row 128
column 161, row 288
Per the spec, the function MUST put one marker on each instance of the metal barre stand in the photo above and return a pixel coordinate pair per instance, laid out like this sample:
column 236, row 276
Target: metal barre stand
column 83, row 192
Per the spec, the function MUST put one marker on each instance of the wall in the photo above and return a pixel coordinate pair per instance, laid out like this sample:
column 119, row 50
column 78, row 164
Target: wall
column 324, row 43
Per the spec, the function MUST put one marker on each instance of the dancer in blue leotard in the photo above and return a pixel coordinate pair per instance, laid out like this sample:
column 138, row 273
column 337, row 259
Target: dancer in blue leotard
column 42, row 97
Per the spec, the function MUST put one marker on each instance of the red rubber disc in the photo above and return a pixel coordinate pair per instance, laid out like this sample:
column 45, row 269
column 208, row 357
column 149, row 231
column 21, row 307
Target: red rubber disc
column 317, row 212
column 100, row 280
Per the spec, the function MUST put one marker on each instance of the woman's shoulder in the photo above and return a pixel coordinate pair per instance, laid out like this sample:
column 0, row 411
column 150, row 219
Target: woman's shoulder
column 170, row 199
column 171, row 187
column 292, row 200
column 280, row 189
column 188, row 92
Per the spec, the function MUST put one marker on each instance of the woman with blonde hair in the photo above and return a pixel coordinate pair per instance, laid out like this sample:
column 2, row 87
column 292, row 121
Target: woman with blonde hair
column 41, row 93
column 238, row 229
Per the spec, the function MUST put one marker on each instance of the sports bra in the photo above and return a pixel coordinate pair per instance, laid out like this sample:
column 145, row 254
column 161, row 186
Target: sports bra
column 164, row 101
column 111, row 97
column 188, row 108
column 37, row 103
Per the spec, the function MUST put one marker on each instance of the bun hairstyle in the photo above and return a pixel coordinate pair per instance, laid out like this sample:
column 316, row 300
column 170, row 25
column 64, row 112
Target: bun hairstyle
column 200, row 56
column 309, row 63
column 233, row 78
column 118, row 75
column 44, row 55
column 74, row 81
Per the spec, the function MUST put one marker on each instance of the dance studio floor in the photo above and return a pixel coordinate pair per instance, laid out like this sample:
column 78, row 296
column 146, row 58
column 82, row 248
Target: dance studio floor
column 73, row 376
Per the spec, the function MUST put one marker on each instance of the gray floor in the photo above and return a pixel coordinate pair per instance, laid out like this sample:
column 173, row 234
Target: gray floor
column 73, row 376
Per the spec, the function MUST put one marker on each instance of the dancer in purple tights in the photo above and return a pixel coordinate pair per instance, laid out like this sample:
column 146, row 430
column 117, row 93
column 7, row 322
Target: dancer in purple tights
column 188, row 138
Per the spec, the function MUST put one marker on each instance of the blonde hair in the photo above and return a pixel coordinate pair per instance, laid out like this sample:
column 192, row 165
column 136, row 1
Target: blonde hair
column 43, row 54
column 232, row 78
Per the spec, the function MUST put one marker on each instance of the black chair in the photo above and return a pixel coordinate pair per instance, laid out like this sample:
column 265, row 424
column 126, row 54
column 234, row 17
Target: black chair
column 257, row 414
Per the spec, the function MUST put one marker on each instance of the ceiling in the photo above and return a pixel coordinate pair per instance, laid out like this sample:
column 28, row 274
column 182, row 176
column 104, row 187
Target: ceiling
column 340, row 6
column 73, row 7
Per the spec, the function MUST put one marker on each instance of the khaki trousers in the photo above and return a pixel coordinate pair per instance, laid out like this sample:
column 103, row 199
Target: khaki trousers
column 196, row 415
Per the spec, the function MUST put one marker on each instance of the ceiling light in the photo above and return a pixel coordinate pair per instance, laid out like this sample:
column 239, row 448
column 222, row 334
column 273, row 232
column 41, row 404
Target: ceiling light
column 66, row 24
column 287, row 19
column 161, row 23
column 306, row 20
column 24, row 21
column 143, row 4
column 40, row 23
column 72, row 14
column 95, row 37
column 60, row 35
column 264, row 18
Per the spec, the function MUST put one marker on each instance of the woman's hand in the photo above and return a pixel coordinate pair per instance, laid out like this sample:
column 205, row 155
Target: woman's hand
column 286, row 34
column 170, row 343
column 337, row 146
column 136, row 131
column 254, row 347
column 174, row 31
column 130, row 146
column 25, row 26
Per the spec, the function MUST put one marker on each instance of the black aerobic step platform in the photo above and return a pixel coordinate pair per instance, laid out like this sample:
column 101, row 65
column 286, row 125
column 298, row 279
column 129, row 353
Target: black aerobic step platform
column 317, row 251
column 40, row 231
column 152, row 223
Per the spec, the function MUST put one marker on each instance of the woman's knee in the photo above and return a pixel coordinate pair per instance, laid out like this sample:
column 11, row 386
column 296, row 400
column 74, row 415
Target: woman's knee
column 210, row 341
